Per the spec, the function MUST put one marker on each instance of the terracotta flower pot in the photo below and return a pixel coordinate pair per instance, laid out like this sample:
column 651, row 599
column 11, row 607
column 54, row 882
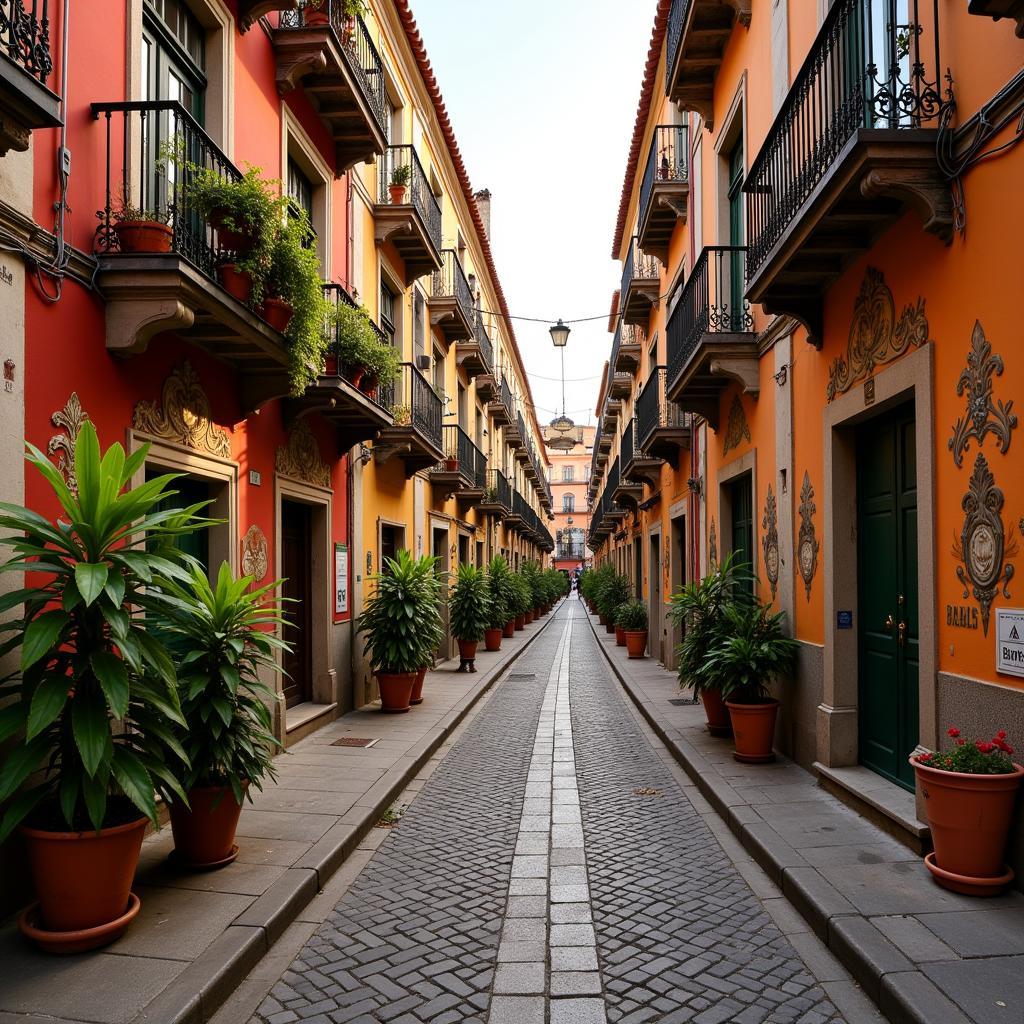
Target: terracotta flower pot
column 609, row 627
column 331, row 365
column 719, row 723
column 417, row 686
column 277, row 313
column 233, row 239
column 369, row 383
column 492, row 639
column 620, row 636
column 395, row 691
column 355, row 375
column 509, row 629
column 520, row 622
column 84, row 882
column 397, row 193
column 313, row 17
column 969, row 816
column 467, row 649
column 602, row 619
column 636, row 642
column 753, row 729
column 451, row 465
column 204, row 832
column 143, row 236
column 236, row 282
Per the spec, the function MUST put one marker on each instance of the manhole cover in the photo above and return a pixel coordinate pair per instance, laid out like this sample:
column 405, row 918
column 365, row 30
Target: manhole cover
column 353, row 741
column 522, row 675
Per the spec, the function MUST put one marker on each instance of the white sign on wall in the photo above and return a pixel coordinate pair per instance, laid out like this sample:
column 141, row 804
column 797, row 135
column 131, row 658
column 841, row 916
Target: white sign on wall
column 1010, row 641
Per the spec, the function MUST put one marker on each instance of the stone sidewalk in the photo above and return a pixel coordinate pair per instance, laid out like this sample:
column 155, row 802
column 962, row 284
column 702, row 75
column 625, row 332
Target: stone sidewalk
column 925, row 955
column 198, row 935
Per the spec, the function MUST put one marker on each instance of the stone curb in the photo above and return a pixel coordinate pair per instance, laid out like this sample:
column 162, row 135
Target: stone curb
column 902, row 992
column 196, row 994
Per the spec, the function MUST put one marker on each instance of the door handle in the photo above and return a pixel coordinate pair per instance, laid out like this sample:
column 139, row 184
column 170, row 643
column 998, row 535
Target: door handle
column 902, row 634
column 889, row 622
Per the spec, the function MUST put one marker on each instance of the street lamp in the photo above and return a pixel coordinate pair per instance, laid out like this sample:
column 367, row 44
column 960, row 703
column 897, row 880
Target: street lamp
column 559, row 338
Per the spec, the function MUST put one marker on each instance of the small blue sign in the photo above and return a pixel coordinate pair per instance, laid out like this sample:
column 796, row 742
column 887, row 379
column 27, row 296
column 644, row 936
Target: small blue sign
column 844, row 620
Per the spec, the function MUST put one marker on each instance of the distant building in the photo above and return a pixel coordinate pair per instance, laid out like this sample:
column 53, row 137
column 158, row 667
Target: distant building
column 570, row 449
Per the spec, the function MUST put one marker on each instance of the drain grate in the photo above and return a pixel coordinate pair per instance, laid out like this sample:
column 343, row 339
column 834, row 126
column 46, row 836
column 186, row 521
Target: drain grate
column 353, row 741
column 522, row 675
column 682, row 702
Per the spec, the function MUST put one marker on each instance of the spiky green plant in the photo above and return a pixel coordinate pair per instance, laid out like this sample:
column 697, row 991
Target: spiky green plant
column 469, row 605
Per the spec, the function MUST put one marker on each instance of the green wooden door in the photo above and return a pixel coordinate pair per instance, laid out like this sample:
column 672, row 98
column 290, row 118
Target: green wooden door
column 887, row 594
column 736, row 226
column 741, row 499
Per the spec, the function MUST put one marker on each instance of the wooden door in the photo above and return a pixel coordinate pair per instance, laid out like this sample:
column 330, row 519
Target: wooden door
column 887, row 594
column 654, row 611
column 296, row 567
column 742, row 511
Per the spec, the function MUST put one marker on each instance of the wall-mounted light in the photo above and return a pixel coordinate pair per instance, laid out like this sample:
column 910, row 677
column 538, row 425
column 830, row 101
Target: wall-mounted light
column 696, row 485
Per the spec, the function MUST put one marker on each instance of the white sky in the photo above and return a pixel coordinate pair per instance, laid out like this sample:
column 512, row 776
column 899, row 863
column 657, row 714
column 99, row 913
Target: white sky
column 543, row 98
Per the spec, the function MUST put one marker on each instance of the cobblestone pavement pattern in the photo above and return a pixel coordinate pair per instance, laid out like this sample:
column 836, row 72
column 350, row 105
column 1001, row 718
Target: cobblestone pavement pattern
column 551, row 871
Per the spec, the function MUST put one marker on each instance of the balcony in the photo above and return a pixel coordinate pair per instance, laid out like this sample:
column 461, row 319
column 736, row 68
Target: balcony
column 996, row 9
column 517, row 436
column 497, row 499
column 463, row 471
column 603, row 446
column 408, row 217
column 630, row 490
column 620, row 384
column 416, row 435
column 627, row 348
column 698, row 31
column 614, row 489
column 355, row 414
column 475, row 355
column 637, row 465
column 451, row 301
column 332, row 57
column 664, row 190
column 175, row 286
column 848, row 153
column 612, row 409
column 517, row 518
column 662, row 430
column 711, row 341
column 500, row 405
column 640, row 286
column 25, row 101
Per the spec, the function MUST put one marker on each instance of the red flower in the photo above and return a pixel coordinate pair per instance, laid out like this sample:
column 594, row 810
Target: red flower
column 960, row 743
column 952, row 731
column 1001, row 735
column 985, row 747
column 925, row 757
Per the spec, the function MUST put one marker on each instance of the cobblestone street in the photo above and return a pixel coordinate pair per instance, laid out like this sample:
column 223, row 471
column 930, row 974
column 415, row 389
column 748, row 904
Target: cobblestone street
column 552, row 869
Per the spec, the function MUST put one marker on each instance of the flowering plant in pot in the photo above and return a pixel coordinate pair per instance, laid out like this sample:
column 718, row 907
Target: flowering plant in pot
column 696, row 609
column 398, row 184
column 749, row 651
column 221, row 641
column 95, row 700
column 632, row 620
column 469, row 609
column 399, row 624
column 499, row 595
column 969, row 793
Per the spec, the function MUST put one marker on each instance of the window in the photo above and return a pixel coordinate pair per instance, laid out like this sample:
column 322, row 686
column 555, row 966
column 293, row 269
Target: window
column 568, row 503
column 174, row 55
column 568, row 474
column 388, row 303
column 300, row 189
column 419, row 324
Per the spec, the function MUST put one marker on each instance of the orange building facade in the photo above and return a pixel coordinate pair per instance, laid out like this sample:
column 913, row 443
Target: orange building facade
column 815, row 357
column 570, row 474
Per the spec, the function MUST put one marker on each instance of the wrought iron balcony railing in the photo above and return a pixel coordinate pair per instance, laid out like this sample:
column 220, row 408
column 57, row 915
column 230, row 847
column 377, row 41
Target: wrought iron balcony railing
column 712, row 302
column 627, row 443
column 25, row 36
column 653, row 411
column 483, row 339
column 499, row 490
column 505, row 391
column 151, row 149
column 874, row 64
column 337, row 295
column 413, row 402
column 362, row 55
column 667, row 161
column 451, row 282
column 470, row 460
column 674, row 36
column 638, row 266
column 420, row 193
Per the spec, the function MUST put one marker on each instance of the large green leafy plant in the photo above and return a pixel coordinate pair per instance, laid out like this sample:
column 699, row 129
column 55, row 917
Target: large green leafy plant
column 632, row 617
column 470, row 604
column 615, row 590
column 94, row 702
column 501, row 591
column 220, row 637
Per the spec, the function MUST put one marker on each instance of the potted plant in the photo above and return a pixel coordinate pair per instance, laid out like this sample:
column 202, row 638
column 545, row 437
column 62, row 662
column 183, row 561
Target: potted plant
column 498, row 592
column 632, row 620
column 352, row 10
column 969, row 793
column 521, row 600
column 614, row 590
column 399, row 183
column 469, row 608
column 696, row 610
column 383, row 364
column 620, row 633
column 95, row 698
column 354, row 339
column 431, row 585
column 749, row 652
column 315, row 13
column 402, row 415
column 398, row 625
column 221, row 640
column 141, row 230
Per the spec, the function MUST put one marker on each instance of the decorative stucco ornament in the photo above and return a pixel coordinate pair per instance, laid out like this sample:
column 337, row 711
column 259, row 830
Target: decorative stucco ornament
column 876, row 337
column 807, row 542
column 182, row 416
column 737, row 431
column 770, row 541
column 254, row 553
column 982, row 548
column 300, row 457
column 69, row 421
column 985, row 414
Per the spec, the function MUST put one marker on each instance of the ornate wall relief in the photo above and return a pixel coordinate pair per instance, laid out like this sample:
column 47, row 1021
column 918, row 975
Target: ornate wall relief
column 713, row 546
column 254, row 553
column 808, row 544
column 876, row 337
column 985, row 415
column 182, row 416
column 770, row 541
column 981, row 548
column 300, row 458
column 737, row 431
column 69, row 421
